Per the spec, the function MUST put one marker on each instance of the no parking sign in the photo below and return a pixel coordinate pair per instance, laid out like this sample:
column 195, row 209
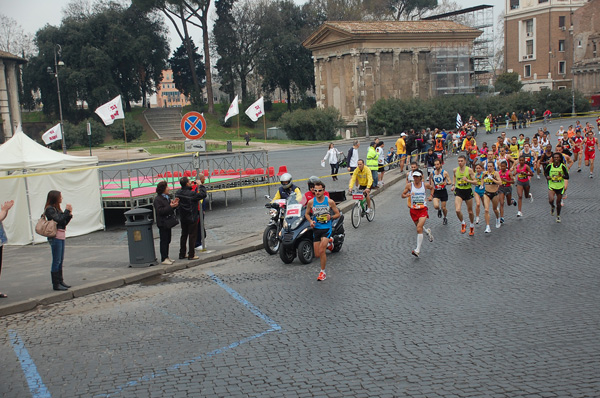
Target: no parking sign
column 193, row 125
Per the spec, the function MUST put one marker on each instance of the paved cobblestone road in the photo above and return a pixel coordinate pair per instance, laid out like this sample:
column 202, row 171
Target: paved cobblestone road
column 510, row 314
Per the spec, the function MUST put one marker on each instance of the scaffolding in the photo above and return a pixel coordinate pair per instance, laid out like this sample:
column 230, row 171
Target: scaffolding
column 482, row 55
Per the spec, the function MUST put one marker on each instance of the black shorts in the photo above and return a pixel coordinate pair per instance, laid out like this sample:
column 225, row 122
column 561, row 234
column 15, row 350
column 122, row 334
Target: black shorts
column 464, row 194
column 558, row 191
column 441, row 194
column 491, row 195
column 362, row 188
column 381, row 168
column 321, row 233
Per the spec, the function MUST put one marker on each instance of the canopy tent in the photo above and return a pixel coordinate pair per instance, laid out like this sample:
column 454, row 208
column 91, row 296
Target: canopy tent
column 23, row 158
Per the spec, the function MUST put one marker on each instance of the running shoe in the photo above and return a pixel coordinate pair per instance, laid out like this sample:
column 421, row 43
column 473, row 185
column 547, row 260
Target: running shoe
column 530, row 197
column 439, row 213
column 415, row 253
column 591, row 175
column 552, row 211
column 514, row 202
column 471, row 231
column 487, row 229
column 502, row 220
column 445, row 221
column 369, row 210
column 579, row 170
column 498, row 224
column 322, row 276
column 562, row 203
column 476, row 220
column 538, row 176
column 429, row 235
column 330, row 244
column 463, row 228
column 519, row 214
column 557, row 218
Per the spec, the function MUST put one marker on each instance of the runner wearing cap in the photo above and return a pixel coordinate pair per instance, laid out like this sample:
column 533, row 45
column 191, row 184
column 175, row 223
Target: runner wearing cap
column 416, row 191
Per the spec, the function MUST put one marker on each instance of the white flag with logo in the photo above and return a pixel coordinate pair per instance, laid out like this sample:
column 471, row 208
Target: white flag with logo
column 111, row 111
column 458, row 121
column 233, row 109
column 54, row 134
column 256, row 110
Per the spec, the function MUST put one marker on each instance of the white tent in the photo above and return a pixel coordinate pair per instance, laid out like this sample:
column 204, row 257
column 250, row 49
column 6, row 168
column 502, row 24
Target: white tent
column 23, row 158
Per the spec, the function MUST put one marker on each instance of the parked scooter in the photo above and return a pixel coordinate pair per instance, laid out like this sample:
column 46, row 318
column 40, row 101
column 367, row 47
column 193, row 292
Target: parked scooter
column 272, row 234
column 297, row 234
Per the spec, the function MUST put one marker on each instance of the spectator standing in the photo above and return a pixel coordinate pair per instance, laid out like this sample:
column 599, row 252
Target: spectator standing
column 53, row 211
column 381, row 160
column 373, row 162
column 401, row 150
column 353, row 156
column 247, row 138
column 331, row 157
column 514, row 120
column 165, row 219
column 200, row 245
column 3, row 213
column 188, row 216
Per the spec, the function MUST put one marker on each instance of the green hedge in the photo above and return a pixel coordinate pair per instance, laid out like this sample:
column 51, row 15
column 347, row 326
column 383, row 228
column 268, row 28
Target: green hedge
column 393, row 116
column 311, row 124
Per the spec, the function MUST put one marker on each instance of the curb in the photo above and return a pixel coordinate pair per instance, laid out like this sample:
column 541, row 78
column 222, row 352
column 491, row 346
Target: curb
column 143, row 274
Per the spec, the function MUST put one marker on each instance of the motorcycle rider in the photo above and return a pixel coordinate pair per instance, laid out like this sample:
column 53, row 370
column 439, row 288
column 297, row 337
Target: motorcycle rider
column 320, row 221
column 287, row 188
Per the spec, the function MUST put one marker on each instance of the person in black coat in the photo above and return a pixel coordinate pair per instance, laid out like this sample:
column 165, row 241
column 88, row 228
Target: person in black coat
column 53, row 211
column 165, row 219
column 188, row 216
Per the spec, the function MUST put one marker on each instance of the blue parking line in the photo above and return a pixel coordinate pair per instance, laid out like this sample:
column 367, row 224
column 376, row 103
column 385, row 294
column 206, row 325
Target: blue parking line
column 34, row 380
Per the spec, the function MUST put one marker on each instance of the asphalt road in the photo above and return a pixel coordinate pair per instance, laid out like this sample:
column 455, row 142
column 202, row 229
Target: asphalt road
column 513, row 313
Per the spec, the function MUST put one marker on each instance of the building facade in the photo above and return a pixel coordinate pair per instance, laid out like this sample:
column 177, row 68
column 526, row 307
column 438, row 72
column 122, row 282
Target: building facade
column 358, row 63
column 586, row 54
column 167, row 96
column 10, row 110
column 538, row 42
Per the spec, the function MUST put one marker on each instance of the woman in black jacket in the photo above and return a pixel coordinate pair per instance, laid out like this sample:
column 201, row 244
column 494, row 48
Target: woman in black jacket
column 165, row 219
column 53, row 211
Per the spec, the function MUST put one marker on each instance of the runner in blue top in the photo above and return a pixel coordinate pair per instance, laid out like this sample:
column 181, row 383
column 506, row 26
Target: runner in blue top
column 318, row 213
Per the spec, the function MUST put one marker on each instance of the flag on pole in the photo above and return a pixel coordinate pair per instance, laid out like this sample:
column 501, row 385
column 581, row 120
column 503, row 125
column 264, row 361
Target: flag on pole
column 256, row 110
column 54, row 134
column 111, row 111
column 233, row 109
column 459, row 122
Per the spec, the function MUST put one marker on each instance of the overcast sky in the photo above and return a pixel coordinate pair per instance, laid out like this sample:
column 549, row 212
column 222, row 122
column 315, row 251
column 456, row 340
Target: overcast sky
column 35, row 14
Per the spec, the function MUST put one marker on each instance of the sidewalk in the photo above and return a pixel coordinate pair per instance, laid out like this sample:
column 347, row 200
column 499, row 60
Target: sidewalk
column 100, row 261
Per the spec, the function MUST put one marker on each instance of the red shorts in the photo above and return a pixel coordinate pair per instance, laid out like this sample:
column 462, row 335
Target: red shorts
column 576, row 150
column 415, row 214
column 590, row 155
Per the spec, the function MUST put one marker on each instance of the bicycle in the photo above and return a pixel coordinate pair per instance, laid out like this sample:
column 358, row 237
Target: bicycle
column 359, row 210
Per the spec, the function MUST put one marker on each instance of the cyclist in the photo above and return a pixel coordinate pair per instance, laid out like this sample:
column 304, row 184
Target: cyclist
column 463, row 178
column 416, row 191
column 439, row 179
column 557, row 175
column 362, row 178
column 318, row 214
column 287, row 188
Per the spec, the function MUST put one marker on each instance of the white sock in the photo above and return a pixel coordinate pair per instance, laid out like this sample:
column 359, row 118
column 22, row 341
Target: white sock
column 463, row 222
column 471, row 225
column 419, row 242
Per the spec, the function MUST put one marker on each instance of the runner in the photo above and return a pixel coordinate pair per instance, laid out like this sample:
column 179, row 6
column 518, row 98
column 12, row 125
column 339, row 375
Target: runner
column 414, row 166
column 416, row 191
column 490, row 160
column 566, row 144
column 479, row 190
column 320, row 221
column 430, row 159
column 513, row 148
column 463, row 178
column 578, row 148
column 591, row 143
column 439, row 179
column 557, row 176
column 523, row 173
column 546, row 158
column 505, row 190
column 566, row 157
column 492, row 182
column 504, row 157
column 538, row 150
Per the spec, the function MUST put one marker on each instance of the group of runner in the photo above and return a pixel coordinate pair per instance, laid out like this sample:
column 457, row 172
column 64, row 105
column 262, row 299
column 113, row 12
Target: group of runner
column 486, row 175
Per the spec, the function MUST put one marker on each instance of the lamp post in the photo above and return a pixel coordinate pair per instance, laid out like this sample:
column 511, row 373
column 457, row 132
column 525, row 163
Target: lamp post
column 55, row 72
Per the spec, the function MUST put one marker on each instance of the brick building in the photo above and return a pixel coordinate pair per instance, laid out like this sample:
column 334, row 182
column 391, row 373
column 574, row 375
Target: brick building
column 538, row 42
column 586, row 54
column 167, row 96
column 358, row 63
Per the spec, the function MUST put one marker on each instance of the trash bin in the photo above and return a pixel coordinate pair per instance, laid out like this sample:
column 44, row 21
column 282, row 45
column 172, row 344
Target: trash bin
column 140, row 238
column 229, row 146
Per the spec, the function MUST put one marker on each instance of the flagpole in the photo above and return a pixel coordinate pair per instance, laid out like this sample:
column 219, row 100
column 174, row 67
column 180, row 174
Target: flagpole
column 128, row 166
column 265, row 127
column 238, row 117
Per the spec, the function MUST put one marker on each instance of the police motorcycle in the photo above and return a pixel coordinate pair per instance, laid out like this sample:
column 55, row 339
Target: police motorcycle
column 297, row 234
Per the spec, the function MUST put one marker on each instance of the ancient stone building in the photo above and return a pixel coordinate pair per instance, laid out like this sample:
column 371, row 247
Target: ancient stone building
column 10, row 111
column 358, row 63
column 586, row 49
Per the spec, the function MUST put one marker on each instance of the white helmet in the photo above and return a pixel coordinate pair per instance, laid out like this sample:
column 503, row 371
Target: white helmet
column 286, row 180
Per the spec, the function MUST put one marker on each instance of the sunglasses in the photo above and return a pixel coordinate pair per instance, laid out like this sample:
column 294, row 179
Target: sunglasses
column 319, row 190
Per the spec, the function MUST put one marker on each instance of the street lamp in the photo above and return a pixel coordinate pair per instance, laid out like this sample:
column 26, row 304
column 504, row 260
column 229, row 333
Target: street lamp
column 55, row 72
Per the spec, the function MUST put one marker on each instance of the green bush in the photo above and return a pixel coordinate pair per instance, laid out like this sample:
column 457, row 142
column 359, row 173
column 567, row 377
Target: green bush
column 133, row 128
column 98, row 133
column 70, row 137
column 311, row 124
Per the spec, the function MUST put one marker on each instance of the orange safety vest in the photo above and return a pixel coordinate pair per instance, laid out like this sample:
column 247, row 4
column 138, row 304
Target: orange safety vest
column 439, row 144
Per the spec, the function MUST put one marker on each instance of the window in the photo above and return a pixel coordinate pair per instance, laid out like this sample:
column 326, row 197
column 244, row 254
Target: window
column 561, row 21
column 542, row 1
column 561, row 46
column 527, row 71
column 562, row 87
column 529, row 27
column 562, row 67
column 529, row 47
column 514, row 4
column 579, row 43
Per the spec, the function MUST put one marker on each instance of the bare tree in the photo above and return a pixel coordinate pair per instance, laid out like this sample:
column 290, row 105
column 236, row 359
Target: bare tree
column 13, row 38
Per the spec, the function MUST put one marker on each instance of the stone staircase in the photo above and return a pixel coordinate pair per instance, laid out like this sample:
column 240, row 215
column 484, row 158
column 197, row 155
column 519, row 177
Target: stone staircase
column 165, row 122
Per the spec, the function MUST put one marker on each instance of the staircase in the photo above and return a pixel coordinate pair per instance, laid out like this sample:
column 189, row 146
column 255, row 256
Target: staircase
column 165, row 122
